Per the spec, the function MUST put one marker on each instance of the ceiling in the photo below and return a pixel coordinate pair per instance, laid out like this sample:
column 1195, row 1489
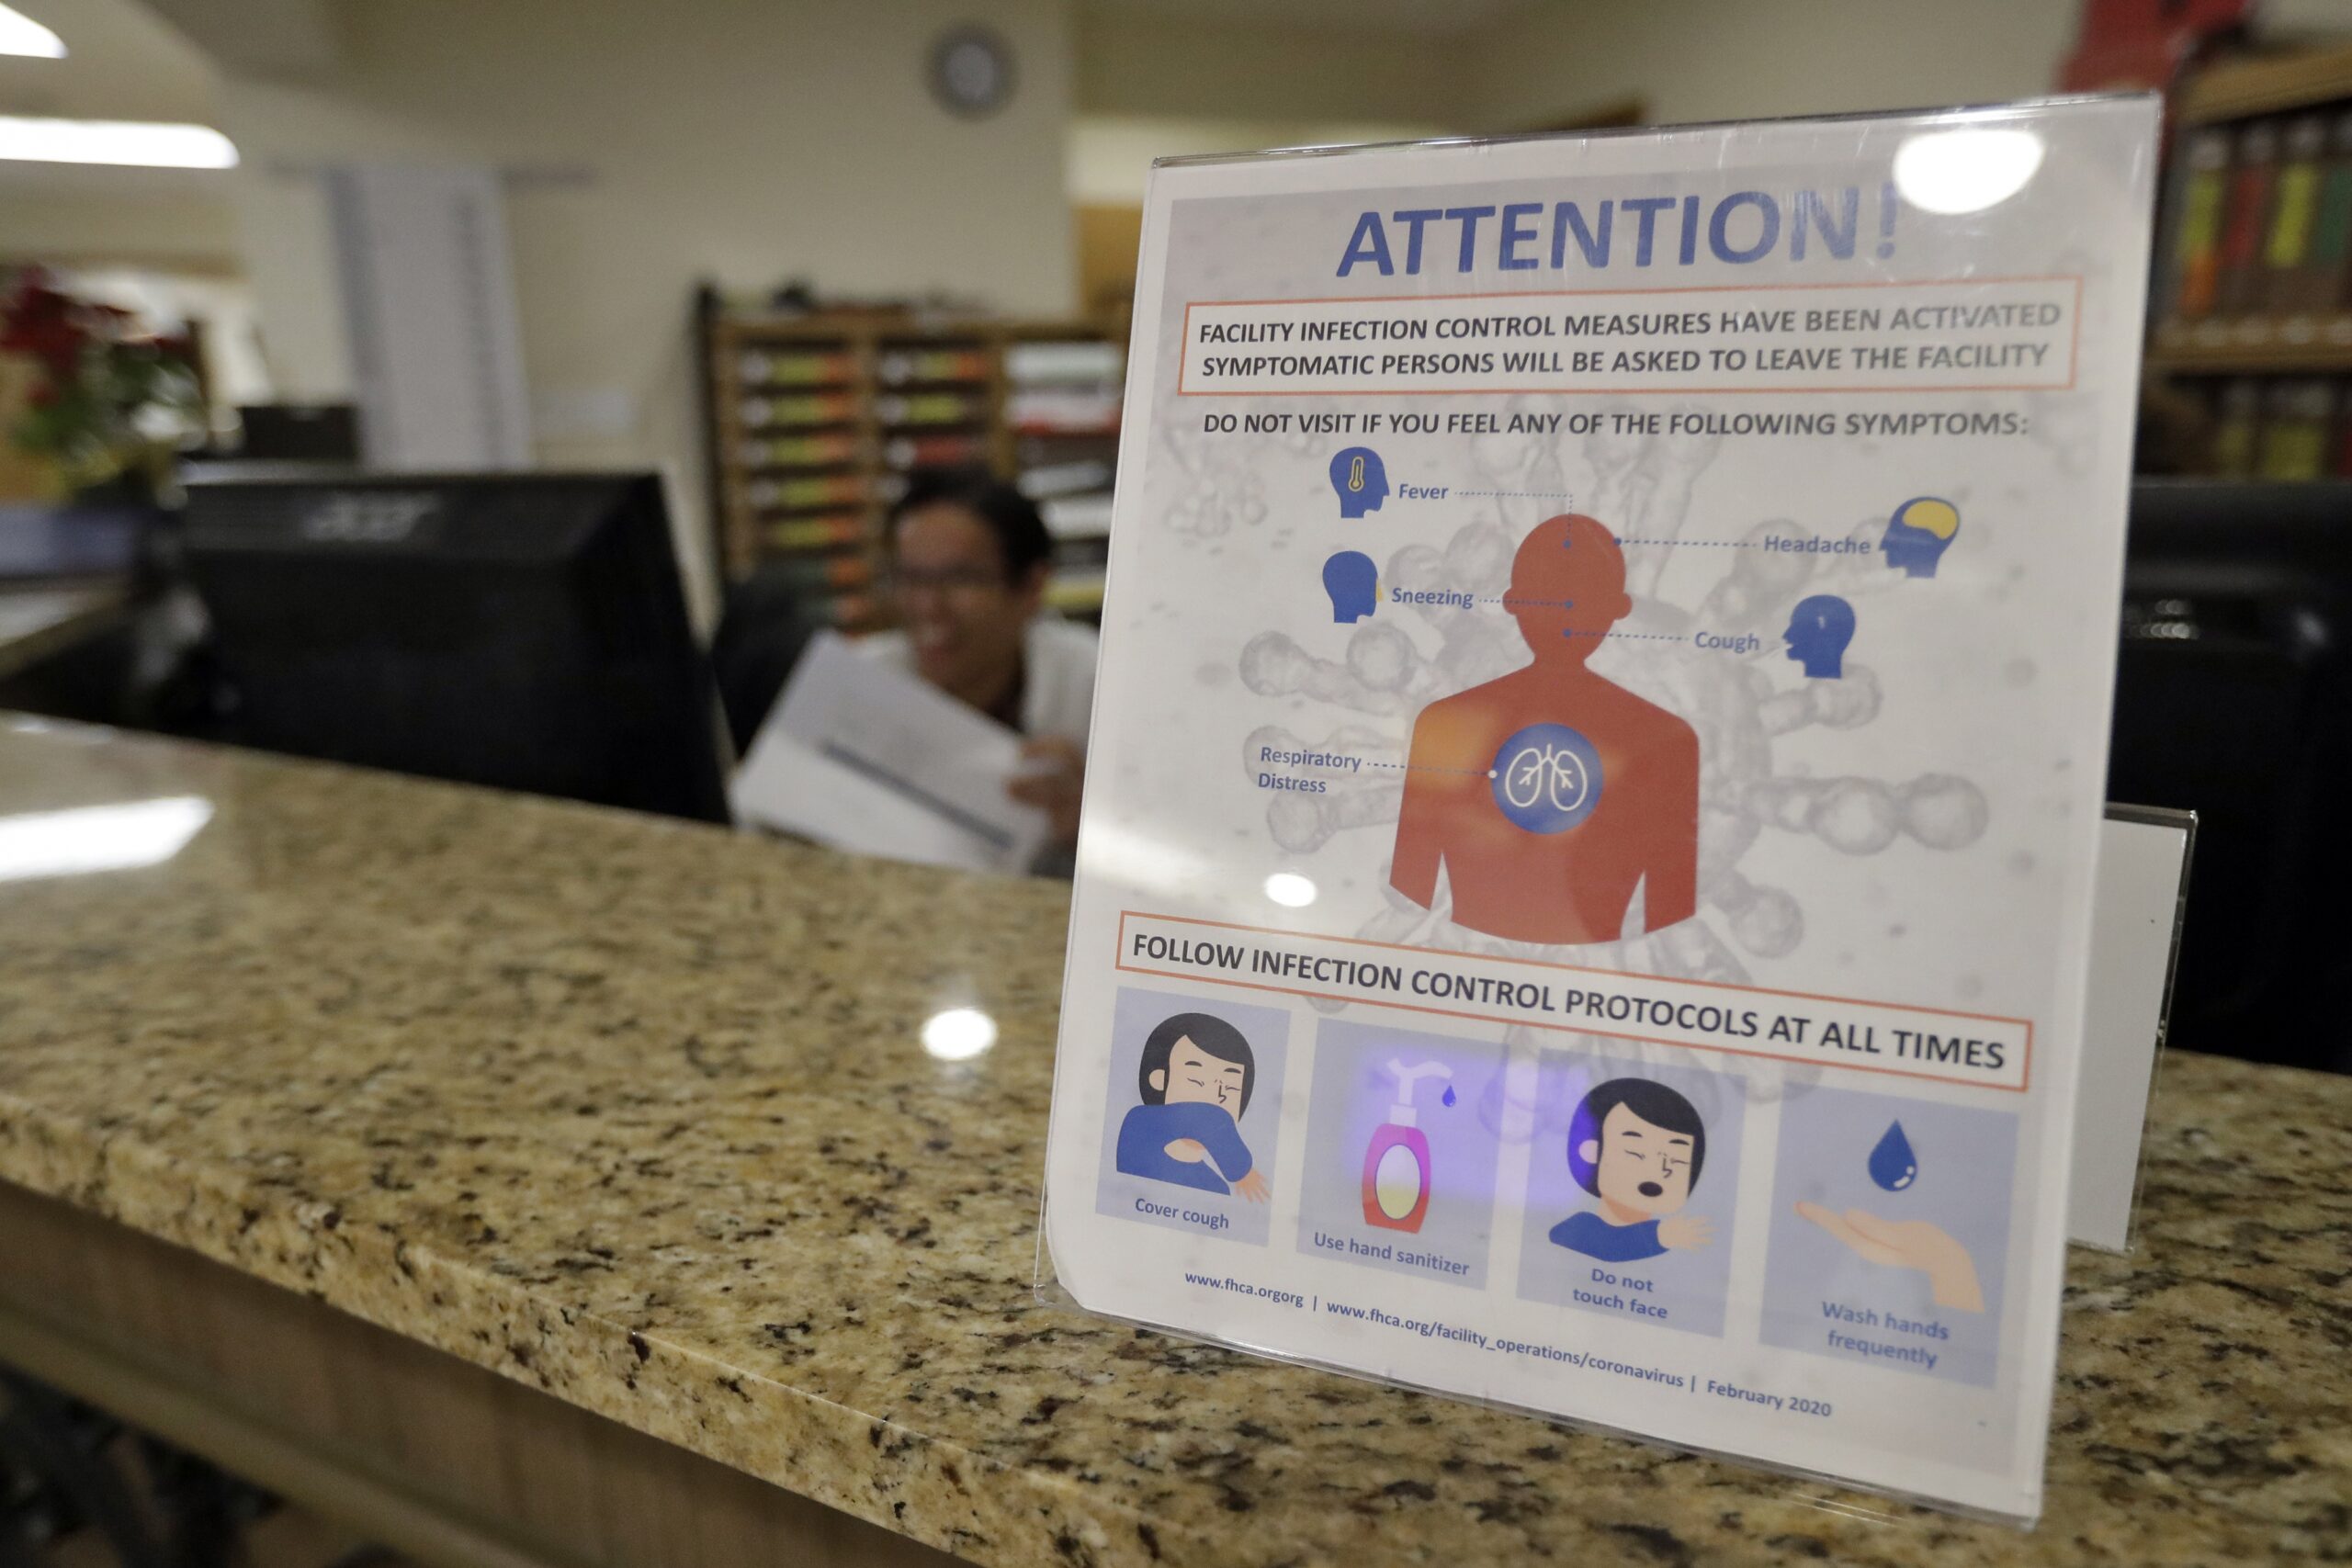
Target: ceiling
column 122, row 61
column 1432, row 19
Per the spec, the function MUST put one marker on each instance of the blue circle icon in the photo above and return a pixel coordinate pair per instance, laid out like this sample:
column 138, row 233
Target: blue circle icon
column 1547, row 778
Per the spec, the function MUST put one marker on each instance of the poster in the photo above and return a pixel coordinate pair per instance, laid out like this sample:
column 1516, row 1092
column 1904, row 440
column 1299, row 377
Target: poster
column 1584, row 894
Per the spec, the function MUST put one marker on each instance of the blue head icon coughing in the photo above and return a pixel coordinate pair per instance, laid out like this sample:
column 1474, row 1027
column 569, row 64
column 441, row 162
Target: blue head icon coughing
column 1819, row 629
column 1360, row 479
column 1353, row 584
column 1918, row 533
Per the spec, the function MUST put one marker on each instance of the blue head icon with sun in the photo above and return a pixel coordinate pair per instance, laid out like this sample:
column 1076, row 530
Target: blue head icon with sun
column 1819, row 629
column 1353, row 582
column 1360, row 479
column 1918, row 533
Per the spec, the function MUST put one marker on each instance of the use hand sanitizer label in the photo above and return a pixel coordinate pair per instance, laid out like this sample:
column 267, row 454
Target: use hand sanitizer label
column 1584, row 894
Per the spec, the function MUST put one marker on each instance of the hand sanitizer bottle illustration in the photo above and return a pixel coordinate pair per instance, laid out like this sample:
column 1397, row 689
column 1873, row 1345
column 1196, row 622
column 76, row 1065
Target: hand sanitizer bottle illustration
column 1396, row 1161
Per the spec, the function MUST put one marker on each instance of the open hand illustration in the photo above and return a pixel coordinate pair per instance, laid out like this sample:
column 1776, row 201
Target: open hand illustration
column 1906, row 1243
column 1682, row 1233
column 1254, row 1187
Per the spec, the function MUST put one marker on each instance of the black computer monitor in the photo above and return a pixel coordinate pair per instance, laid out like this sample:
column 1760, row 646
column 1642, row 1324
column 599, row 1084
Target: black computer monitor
column 524, row 631
column 2233, row 698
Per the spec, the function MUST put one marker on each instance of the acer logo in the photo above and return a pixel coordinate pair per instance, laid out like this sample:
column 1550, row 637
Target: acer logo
column 368, row 518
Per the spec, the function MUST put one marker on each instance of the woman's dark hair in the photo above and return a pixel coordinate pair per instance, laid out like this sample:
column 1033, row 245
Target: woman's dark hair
column 1653, row 1103
column 1020, row 536
column 1213, row 1035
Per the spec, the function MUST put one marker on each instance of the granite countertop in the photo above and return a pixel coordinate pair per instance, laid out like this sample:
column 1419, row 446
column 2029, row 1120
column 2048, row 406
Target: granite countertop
column 636, row 1112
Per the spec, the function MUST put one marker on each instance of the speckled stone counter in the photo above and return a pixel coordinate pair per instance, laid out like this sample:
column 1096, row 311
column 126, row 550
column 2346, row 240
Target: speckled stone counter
column 636, row 1112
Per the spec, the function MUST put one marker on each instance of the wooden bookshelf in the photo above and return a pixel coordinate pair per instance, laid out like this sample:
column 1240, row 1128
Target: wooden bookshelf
column 2241, row 89
column 2252, row 298
column 2262, row 345
column 815, row 421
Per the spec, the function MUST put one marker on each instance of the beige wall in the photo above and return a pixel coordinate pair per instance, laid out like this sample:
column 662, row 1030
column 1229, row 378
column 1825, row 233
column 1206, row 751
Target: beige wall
column 176, row 226
column 1216, row 66
column 122, row 61
column 1702, row 59
column 654, row 144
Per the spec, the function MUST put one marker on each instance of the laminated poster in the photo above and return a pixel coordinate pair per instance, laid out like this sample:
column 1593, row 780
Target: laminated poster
column 1584, row 897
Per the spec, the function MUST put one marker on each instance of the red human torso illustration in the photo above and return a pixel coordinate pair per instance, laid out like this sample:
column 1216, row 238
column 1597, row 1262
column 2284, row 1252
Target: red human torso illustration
column 1548, row 795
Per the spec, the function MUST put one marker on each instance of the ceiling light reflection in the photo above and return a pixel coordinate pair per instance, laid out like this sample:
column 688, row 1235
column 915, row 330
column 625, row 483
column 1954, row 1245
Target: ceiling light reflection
column 1290, row 889
column 958, row 1034
column 134, row 143
column 1965, row 171
column 1141, row 860
column 19, row 34
column 88, row 838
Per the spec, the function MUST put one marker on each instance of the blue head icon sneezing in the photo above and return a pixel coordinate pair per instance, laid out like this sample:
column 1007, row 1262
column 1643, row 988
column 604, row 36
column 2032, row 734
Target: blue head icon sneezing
column 1918, row 533
column 1353, row 584
column 1360, row 479
column 1819, row 629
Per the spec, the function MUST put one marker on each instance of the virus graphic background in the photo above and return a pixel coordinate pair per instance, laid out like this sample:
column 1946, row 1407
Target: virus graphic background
column 1750, row 712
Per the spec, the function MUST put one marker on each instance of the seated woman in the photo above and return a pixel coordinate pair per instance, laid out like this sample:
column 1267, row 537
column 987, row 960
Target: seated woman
column 968, row 557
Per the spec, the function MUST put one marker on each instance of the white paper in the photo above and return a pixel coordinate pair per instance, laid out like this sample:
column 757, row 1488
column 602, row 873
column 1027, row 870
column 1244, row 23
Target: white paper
column 1846, row 410
column 2132, row 933
column 865, row 757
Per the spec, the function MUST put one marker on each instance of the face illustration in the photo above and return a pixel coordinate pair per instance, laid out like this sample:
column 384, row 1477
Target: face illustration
column 1643, row 1168
column 1820, row 628
column 1192, row 1076
column 1911, row 551
column 1568, row 588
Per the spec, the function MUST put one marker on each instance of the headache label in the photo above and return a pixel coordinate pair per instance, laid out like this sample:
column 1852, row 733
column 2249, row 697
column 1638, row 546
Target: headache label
column 1584, row 894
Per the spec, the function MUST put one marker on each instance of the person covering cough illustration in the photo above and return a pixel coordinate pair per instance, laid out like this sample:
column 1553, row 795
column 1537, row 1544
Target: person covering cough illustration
column 1638, row 1146
column 1194, row 1080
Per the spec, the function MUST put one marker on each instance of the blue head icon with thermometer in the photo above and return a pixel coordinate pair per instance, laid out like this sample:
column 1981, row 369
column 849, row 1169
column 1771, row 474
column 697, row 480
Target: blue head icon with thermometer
column 1361, row 479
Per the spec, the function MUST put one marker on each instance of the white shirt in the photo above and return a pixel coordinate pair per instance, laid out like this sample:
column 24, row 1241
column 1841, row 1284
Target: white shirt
column 1056, row 677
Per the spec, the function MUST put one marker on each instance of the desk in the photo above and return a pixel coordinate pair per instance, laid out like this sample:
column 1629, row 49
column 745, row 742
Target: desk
column 39, row 619
column 533, row 1183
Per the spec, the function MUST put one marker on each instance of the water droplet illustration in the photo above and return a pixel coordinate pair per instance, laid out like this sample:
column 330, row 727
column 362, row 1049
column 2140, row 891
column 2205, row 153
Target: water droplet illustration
column 1448, row 1095
column 1893, row 1164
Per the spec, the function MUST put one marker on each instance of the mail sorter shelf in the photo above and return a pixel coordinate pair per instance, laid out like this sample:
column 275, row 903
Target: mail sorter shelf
column 815, row 421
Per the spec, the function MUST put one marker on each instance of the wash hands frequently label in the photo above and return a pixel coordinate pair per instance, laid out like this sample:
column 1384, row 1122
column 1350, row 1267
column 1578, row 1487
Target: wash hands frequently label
column 1585, row 891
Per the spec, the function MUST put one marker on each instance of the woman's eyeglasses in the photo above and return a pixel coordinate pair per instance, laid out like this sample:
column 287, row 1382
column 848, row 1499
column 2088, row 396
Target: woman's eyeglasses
column 903, row 580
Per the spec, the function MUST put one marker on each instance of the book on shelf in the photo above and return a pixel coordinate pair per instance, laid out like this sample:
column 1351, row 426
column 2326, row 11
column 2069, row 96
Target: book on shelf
column 2247, row 218
column 2297, row 424
column 2196, row 246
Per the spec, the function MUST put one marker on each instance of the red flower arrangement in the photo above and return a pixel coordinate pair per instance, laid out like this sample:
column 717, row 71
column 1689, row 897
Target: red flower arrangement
column 110, row 402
